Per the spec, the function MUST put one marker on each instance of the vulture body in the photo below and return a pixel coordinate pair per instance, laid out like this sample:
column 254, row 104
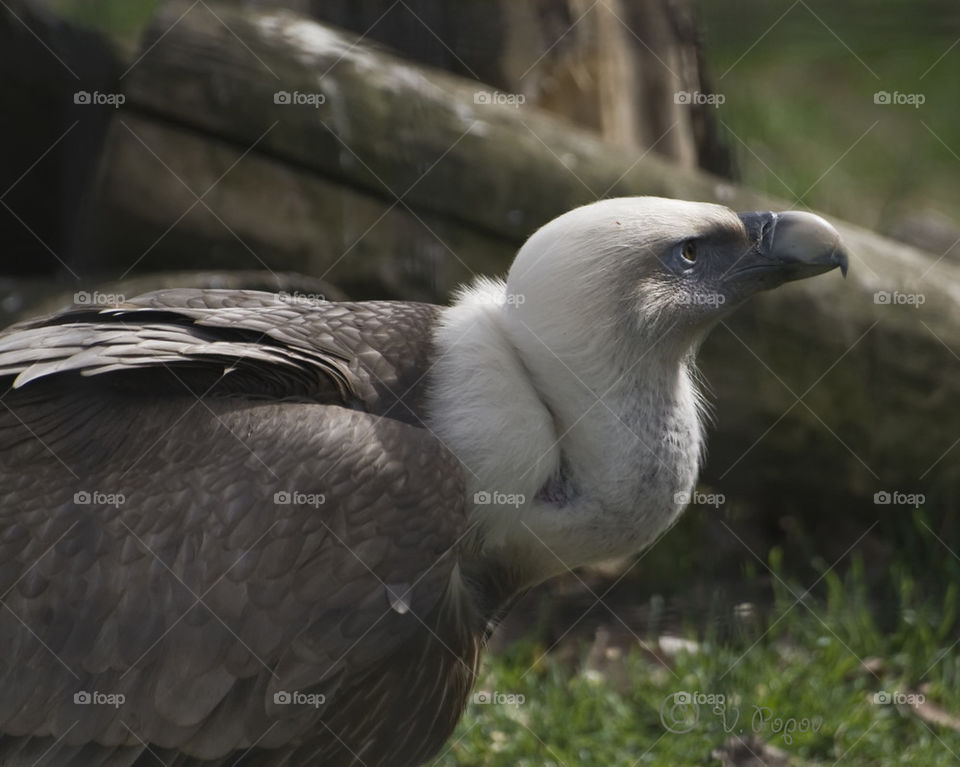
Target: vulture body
column 237, row 526
column 176, row 590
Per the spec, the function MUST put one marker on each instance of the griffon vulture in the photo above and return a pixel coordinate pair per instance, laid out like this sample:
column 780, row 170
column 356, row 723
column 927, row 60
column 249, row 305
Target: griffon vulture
column 239, row 526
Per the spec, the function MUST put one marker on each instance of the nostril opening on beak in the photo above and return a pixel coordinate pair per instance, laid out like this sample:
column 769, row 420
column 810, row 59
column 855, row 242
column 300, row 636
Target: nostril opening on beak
column 768, row 231
column 760, row 229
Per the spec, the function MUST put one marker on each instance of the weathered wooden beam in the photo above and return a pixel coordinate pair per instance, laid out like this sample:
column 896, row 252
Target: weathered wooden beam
column 172, row 199
column 613, row 68
column 388, row 126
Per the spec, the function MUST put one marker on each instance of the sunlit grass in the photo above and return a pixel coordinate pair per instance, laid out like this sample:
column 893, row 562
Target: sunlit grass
column 801, row 665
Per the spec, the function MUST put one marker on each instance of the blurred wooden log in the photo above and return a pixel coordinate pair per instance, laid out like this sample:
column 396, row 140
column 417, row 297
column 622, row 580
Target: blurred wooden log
column 268, row 214
column 613, row 68
column 384, row 123
column 875, row 412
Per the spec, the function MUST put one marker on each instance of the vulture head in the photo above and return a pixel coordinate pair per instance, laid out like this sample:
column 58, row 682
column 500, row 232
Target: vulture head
column 568, row 390
column 627, row 272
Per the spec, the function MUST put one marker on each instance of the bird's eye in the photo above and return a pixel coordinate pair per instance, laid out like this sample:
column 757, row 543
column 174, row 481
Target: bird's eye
column 689, row 251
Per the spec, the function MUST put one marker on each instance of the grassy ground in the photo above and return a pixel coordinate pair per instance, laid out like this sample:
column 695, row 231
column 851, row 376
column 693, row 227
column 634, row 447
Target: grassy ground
column 815, row 666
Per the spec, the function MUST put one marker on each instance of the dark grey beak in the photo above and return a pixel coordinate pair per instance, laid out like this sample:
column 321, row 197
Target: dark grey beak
column 788, row 246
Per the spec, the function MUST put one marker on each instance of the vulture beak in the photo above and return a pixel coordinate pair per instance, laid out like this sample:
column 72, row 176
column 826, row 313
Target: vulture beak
column 787, row 246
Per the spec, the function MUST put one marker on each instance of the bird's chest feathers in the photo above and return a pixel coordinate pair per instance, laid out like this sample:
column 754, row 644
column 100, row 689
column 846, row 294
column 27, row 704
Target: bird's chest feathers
column 640, row 456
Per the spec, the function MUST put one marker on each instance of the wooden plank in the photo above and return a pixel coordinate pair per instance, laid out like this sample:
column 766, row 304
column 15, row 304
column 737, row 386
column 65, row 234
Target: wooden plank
column 258, row 213
column 386, row 125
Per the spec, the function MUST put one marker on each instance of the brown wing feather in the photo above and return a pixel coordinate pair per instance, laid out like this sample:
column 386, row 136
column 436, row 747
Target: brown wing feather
column 143, row 551
column 371, row 355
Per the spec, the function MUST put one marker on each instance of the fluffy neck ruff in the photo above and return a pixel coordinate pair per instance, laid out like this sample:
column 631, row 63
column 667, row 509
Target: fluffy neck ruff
column 571, row 454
